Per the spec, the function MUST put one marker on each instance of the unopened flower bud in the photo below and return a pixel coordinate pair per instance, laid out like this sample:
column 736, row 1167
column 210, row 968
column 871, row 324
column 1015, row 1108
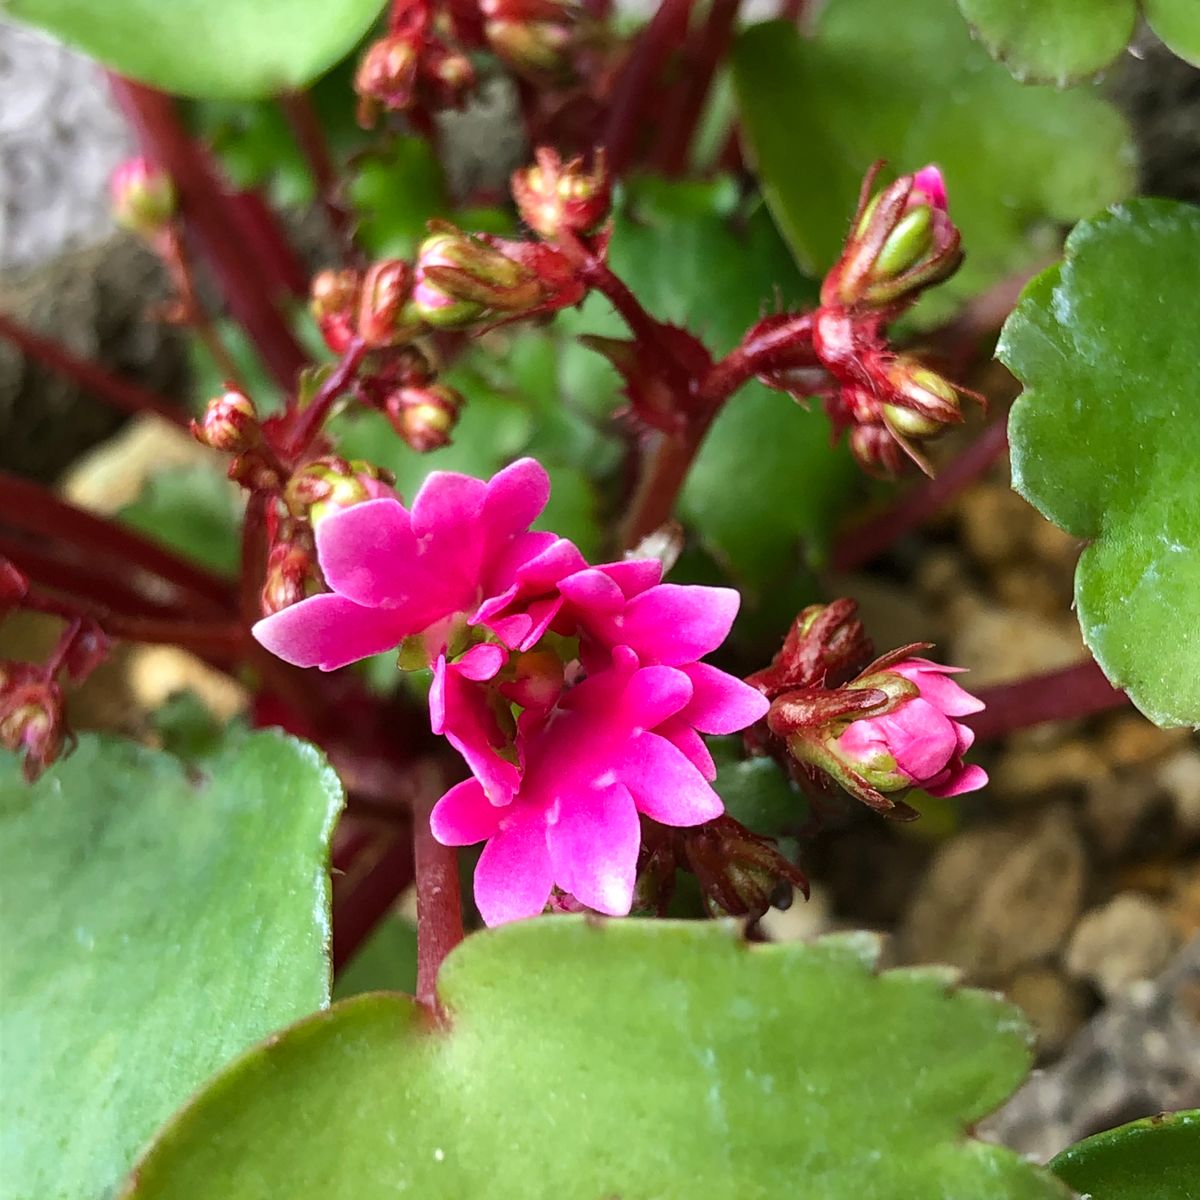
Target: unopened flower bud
column 331, row 483
column 31, row 716
column 88, row 649
column 334, row 306
column 459, row 279
column 424, row 416
column 902, row 242
column 292, row 572
column 447, row 77
column 876, row 450
column 382, row 318
column 825, row 646
column 554, row 197
column 230, row 423
column 533, row 36
column 921, row 402
column 386, row 76
column 143, row 197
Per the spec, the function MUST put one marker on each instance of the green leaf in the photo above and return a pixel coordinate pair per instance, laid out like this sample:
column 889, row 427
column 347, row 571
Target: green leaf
column 755, row 791
column 1152, row 1159
column 766, row 479
column 387, row 961
column 194, row 510
column 639, row 1059
column 1177, row 23
column 1052, row 41
column 208, row 48
column 158, row 921
column 905, row 82
column 1105, row 441
column 394, row 194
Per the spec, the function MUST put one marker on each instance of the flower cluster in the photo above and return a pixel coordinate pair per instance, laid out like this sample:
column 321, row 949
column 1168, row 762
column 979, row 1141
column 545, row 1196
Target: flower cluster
column 575, row 693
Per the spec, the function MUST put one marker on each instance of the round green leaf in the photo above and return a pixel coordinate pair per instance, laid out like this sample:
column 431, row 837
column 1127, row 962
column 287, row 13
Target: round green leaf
column 1053, row 41
column 1157, row 1158
column 905, row 82
column 1105, row 440
column 237, row 49
column 638, row 1059
column 158, row 920
column 1177, row 23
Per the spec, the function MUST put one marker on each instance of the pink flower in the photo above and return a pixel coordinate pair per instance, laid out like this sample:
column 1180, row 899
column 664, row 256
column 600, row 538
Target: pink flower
column 929, row 187
column 396, row 573
column 601, row 758
column 919, row 743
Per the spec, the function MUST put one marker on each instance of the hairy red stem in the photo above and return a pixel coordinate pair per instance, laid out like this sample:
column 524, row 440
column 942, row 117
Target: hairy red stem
column 33, row 509
column 122, row 394
column 308, row 421
column 1077, row 691
column 635, row 86
column 439, row 903
column 209, row 210
column 868, row 540
column 679, row 127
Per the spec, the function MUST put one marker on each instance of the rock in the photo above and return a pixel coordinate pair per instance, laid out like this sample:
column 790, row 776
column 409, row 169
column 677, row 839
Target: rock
column 1000, row 644
column 1054, row 1004
column 1129, row 740
column 940, row 575
column 155, row 673
column 1126, row 940
column 1183, row 901
column 998, row 899
column 1030, row 587
column 1024, row 774
column 802, row 921
column 1128, row 814
column 994, row 523
column 1179, row 777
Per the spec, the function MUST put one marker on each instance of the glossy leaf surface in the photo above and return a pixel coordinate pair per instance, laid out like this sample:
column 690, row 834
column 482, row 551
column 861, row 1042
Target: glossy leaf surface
column 208, row 48
column 1156, row 1157
column 1105, row 440
column 158, row 921
column 628, row 1059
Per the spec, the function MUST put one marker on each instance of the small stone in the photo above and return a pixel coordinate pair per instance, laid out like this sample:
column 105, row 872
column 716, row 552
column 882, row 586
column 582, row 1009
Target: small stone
column 994, row 523
column 998, row 899
column 155, row 673
column 1000, row 644
column 1054, row 1004
column 1117, row 945
column 940, row 575
column 1030, row 587
column 1129, row 740
column 1179, row 777
column 1128, row 814
column 1023, row 775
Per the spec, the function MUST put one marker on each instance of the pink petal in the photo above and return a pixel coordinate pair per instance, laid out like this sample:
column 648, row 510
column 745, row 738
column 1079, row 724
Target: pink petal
column 594, row 848
column 941, row 692
column 633, row 575
column 329, row 631
column 515, row 497
column 676, row 624
column 665, row 785
column 652, row 695
column 593, row 591
column 368, row 553
column 920, row 737
column 481, row 662
column 680, row 734
column 463, row 816
column 447, row 499
column 722, row 703
column 928, row 183
column 969, row 779
column 513, row 877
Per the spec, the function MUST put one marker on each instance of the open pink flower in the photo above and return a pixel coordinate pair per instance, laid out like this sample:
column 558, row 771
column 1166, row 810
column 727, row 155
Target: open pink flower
column 590, row 768
column 395, row 573
column 919, row 741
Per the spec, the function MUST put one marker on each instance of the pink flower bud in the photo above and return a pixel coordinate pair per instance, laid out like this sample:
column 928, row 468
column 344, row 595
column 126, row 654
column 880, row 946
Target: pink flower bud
column 929, row 187
column 383, row 303
column 447, row 77
column 533, row 37
column 386, row 76
column 32, row 721
column 553, row 196
column 230, row 423
column 143, row 197
column 292, row 572
column 328, row 484
column 424, row 416
column 333, row 303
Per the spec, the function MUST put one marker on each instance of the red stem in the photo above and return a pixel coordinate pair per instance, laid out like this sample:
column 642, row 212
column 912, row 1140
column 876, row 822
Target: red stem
column 875, row 535
column 308, row 421
column 628, row 112
column 120, row 393
column 33, row 509
column 467, row 22
column 439, row 904
column 305, row 123
column 273, row 252
column 679, row 128
column 211, row 213
column 1077, row 691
